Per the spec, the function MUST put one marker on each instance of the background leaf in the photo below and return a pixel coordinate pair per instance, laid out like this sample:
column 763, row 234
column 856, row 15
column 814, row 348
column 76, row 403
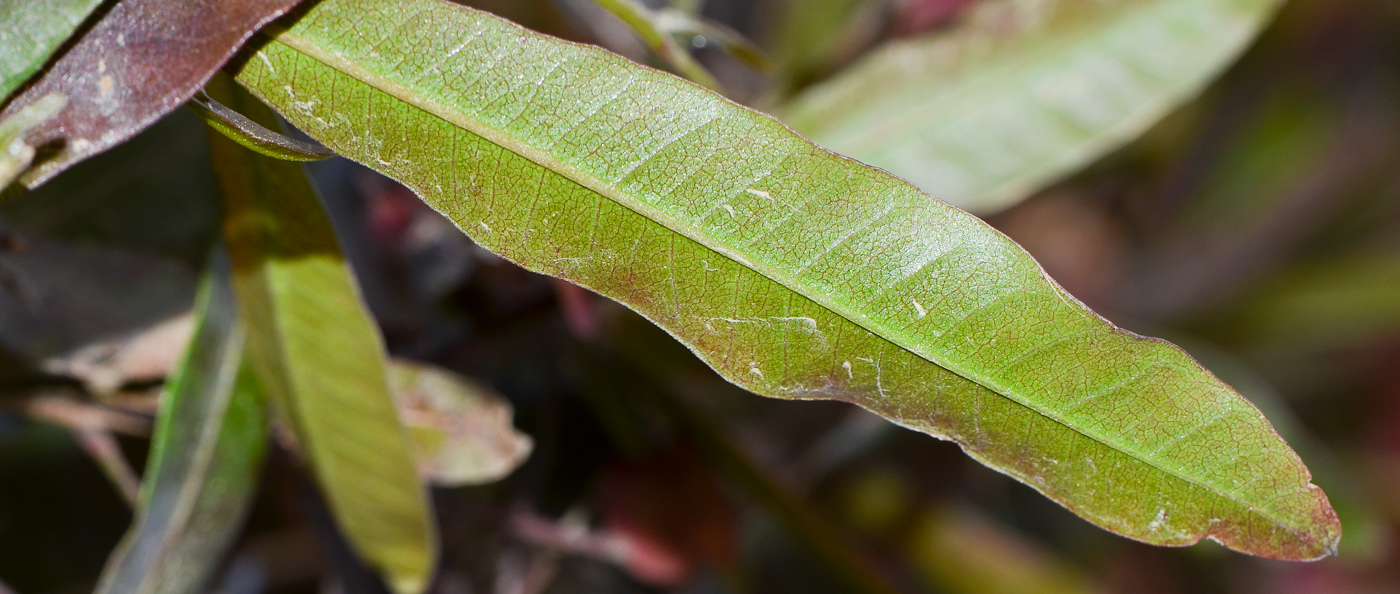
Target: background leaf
column 794, row 272
column 205, row 462
column 1020, row 94
column 461, row 429
column 30, row 32
column 317, row 351
column 141, row 60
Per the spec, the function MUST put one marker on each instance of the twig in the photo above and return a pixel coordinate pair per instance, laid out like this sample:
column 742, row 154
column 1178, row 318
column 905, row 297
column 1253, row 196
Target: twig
column 103, row 448
column 644, row 23
column 92, row 427
column 570, row 538
column 78, row 415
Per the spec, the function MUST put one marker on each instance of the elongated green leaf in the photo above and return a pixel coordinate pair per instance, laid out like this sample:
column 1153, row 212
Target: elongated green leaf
column 205, row 459
column 316, row 349
column 794, row 272
column 1023, row 93
column 644, row 22
column 30, row 32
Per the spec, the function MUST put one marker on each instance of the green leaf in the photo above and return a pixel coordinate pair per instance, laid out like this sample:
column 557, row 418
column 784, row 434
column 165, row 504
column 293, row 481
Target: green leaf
column 959, row 550
column 1330, row 303
column 317, row 350
column 1021, row 94
column 15, row 151
column 206, row 456
column 646, row 24
column 794, row 272
column 31, row 31
column 461, row 429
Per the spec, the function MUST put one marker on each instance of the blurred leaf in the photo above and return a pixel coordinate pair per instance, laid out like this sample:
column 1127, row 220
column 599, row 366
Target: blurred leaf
column 647, row 25
column 461, row 429
column 794, row 272
column 1328, row 303
column 142, row 59
column 814, row 37
column 962, row 552
column 15, row 151
column 1023, row 93
column 31, row 31
column 318, row 353
column 205, row 461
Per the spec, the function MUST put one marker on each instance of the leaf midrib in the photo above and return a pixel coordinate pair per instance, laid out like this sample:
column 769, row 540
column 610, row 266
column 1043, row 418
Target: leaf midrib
column 587, row 180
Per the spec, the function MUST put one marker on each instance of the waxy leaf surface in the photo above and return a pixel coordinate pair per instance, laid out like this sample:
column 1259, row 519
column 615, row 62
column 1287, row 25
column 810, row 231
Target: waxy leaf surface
column 794, row 272
column 206, row 458
column 30, row 32
column 141, row 60
column 1022, row 93
column 319, row 355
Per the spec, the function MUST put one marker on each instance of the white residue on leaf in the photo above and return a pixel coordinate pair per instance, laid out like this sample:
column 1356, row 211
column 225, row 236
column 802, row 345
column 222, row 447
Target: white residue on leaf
column 919, row 308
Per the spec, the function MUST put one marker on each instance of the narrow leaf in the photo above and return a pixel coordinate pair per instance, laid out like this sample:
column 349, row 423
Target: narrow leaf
column 461, row 429
column 794, row 272
column 31, row 31
column 141, row 60
column 205, row 460
column 1021, row 94
column 238, row 128
column 644, row 22
column 316, row 349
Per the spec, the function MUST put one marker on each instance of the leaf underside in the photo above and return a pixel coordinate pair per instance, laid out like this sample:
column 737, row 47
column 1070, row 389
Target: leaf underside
column 1020, row 94
column 794, row 272
column 319, row 355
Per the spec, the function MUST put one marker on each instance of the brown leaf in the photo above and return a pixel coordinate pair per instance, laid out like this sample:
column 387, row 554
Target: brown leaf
column 461, row 429
column 140, row 61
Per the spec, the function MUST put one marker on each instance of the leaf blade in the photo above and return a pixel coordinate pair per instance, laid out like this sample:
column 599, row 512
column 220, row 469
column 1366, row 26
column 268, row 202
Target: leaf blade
column 1018, row 96
column 205, row 460
column 300, row 296
column 578, row 164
